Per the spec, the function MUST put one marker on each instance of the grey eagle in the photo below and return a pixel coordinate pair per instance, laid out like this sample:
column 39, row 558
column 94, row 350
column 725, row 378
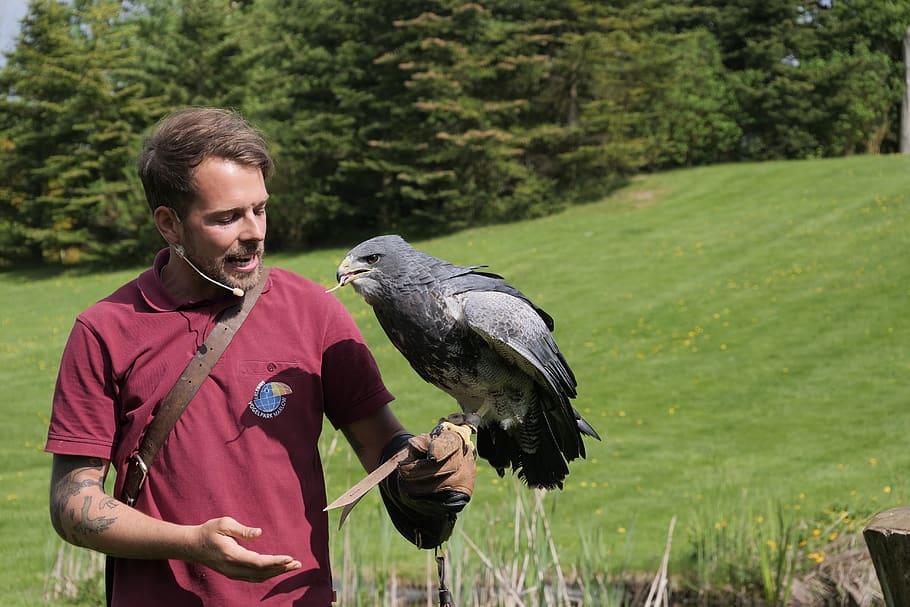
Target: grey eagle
column 483, row 342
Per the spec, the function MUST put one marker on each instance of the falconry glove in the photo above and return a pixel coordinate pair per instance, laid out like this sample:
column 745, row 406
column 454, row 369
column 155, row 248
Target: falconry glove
column 433, row 483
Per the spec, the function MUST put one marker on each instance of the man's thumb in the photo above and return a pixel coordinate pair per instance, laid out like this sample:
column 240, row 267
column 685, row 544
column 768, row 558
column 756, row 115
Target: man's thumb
column 239, row 531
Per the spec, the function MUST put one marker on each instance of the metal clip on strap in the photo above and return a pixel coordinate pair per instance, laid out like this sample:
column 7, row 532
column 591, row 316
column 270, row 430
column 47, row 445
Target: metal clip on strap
column 183, row 391
column 136, row 474
column 445, row 597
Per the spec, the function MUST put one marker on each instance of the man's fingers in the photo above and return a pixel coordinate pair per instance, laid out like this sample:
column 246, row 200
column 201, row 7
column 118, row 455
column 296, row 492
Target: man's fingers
column 439, row 446
column 445, row 445
column 265, row 566
column 248, row 565
column 241, row 563
column 419, row 443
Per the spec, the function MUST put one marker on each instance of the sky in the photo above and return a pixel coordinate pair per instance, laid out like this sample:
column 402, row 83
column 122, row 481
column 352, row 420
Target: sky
column 11, row 12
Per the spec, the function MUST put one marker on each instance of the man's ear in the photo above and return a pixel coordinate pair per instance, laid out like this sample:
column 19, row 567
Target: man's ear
column 168, row 224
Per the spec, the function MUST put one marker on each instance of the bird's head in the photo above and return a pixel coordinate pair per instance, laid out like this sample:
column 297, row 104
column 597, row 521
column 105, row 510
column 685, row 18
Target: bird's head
column 374, row 266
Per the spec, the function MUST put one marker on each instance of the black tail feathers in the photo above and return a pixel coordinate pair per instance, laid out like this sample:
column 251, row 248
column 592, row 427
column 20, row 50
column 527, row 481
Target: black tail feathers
column 545, row 467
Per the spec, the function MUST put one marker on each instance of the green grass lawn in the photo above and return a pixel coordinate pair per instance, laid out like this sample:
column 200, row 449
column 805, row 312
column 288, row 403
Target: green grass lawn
column 740, row 335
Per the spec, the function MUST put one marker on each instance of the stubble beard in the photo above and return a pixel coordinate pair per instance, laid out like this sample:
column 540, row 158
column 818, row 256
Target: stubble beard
column 215, row 268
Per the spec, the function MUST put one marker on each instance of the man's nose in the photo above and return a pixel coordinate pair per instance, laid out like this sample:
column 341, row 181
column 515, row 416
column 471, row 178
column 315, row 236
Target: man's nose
column 253, row 227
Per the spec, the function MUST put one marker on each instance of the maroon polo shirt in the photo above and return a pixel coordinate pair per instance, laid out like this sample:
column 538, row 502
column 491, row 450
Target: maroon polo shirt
column 245, row 447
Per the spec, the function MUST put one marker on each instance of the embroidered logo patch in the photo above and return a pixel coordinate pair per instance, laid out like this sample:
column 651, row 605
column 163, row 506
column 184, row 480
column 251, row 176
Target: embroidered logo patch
column 270, row 399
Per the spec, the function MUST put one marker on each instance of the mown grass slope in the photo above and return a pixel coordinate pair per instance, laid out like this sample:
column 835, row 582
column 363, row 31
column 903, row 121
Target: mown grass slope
column 740, row 335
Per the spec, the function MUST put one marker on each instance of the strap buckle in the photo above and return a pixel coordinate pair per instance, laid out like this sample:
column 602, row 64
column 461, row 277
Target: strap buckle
column 136, row 473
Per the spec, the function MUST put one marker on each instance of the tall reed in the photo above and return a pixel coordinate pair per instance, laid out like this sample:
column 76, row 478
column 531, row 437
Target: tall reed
column 512, row 559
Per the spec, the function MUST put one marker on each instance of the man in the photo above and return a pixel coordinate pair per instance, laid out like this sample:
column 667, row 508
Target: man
column 232, row 510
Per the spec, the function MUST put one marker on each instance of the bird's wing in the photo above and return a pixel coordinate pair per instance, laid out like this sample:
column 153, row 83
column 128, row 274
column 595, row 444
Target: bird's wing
column 516, row 331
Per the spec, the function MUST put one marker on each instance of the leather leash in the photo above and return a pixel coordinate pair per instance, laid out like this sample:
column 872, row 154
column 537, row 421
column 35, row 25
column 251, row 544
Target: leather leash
column 349, row 498
column 182, row 392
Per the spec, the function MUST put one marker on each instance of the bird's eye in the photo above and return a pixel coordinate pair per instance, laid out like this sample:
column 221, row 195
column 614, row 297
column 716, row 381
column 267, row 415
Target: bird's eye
column 371, row 259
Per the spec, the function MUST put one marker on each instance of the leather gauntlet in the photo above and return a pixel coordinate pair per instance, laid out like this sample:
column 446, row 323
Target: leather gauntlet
column 433, row 483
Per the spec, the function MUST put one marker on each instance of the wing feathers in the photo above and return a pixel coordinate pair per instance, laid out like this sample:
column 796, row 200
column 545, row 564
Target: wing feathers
column 484, row 342
column 516, row 332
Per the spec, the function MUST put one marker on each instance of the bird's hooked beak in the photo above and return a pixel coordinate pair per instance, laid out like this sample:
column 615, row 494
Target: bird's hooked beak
column 349, row 271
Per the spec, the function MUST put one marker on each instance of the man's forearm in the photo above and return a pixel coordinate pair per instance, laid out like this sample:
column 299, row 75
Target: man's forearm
column 84, row 515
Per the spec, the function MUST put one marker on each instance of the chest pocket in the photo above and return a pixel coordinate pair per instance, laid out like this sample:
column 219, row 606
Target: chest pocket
column 267, row 368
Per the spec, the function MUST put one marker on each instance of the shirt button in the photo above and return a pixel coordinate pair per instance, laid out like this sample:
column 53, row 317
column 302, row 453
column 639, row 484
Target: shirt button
column 271, row 367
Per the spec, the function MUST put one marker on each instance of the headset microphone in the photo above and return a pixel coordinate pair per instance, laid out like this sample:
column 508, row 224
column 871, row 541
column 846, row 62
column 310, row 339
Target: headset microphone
column 178, row 249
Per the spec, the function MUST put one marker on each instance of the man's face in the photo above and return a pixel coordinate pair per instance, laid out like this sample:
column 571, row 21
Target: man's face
column 224, row 230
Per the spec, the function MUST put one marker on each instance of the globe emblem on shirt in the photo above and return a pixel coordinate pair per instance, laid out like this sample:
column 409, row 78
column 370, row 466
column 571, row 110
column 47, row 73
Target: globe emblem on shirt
column 270, row 399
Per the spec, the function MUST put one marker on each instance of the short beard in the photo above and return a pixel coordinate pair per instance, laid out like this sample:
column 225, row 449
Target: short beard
column 215, row 270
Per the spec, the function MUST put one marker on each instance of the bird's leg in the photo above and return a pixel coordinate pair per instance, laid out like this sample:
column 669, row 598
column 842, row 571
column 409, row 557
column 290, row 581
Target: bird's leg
column 483, row 410
column 464, row 424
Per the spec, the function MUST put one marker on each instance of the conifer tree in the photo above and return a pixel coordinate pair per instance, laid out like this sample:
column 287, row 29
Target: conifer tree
column 70, row 113
column 464, row 157
column 190, row 50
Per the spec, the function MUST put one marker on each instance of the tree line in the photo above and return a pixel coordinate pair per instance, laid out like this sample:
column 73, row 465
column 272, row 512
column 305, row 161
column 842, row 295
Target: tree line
column 426, row 116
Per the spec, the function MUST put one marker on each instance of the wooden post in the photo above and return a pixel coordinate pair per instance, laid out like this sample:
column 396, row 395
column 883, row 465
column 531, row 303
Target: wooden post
column 888, row 540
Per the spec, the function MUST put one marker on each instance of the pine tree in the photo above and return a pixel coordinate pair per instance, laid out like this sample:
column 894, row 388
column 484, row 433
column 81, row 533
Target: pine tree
column 467, row 154
column 70, row 114
column 310, row 83
column 190, row 50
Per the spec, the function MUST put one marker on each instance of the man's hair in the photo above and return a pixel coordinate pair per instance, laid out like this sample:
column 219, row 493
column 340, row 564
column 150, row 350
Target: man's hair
column 183, row 140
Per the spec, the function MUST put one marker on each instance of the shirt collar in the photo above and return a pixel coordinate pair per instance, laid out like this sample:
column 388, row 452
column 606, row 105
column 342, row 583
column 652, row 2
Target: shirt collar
column 161, row 300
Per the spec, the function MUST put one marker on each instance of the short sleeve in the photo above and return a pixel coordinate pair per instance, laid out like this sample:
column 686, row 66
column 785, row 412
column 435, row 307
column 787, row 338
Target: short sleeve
column 352, row 384
column 83, row 418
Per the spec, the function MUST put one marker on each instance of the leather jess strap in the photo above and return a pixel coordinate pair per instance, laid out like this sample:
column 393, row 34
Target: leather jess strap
column 182, row 392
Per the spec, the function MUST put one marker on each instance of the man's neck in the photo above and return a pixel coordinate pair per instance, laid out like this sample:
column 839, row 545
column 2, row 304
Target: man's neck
column 184, row 285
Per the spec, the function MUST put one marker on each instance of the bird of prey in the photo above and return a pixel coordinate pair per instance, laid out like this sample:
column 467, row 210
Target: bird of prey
column 482, row 341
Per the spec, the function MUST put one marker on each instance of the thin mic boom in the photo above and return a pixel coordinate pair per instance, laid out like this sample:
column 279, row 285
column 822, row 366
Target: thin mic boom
column 235, row 290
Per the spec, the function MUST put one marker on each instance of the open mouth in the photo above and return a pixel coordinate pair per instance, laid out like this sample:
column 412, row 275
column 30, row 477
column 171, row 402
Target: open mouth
column 349, row 277
column 353, row 275
column 242, row 263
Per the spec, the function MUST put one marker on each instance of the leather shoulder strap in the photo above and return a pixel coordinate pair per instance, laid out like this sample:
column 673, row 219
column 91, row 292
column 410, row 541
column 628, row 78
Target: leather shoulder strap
column 182, row 392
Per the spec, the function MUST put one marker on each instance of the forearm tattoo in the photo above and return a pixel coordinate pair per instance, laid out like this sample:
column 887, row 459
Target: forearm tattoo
column 71, row 483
